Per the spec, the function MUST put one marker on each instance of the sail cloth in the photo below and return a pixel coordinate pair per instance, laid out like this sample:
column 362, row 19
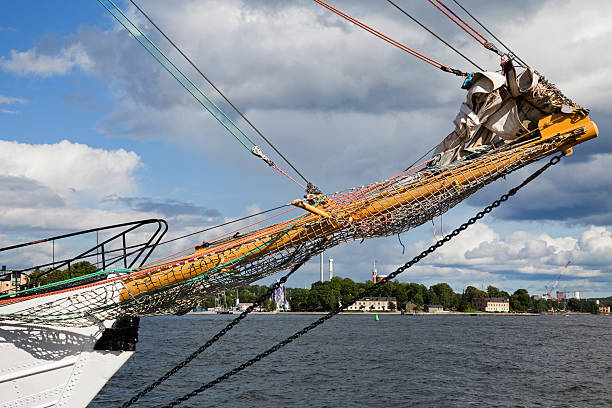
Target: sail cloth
column 498, row 110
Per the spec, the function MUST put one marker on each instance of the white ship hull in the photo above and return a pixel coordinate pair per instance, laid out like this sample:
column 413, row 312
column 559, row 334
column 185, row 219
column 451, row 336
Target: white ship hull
column 52, row 366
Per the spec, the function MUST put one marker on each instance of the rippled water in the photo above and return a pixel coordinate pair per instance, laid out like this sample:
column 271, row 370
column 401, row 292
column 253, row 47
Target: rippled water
column 398, row 361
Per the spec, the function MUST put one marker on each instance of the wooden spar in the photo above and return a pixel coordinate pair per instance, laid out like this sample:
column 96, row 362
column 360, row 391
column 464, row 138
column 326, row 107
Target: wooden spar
column 320, row 223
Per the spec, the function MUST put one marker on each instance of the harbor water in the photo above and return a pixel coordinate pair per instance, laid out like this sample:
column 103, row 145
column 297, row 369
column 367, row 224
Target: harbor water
column 355, row 360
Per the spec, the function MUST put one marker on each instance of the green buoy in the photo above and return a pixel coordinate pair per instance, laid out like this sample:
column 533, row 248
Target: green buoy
column 376, row 316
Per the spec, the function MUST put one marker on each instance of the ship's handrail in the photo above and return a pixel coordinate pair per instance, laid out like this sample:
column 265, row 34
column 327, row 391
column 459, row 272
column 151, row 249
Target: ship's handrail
column 140, row 251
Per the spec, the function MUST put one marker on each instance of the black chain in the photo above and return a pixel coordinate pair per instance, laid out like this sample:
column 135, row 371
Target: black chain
column 223, row 331
column 370, row 290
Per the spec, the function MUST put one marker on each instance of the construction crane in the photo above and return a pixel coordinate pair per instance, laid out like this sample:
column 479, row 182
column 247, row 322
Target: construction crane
column 548, row 294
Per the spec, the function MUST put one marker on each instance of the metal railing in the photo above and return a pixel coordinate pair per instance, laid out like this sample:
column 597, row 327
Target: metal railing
column 131, row 256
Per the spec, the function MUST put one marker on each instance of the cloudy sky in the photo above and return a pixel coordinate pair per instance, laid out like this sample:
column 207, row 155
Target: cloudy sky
column 93, row 131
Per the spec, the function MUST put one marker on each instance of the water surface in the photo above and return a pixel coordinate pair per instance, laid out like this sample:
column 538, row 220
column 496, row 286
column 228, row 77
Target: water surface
column 398, row 361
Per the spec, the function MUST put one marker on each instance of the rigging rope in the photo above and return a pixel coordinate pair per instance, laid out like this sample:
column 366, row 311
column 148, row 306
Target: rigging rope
column 470, row 30
column 254, row 149
column 435, row 35
column 260, row 301
column 243, row 143
column 492, row 35
column 206, row 243
column 372, row 289
column 220, row 93
column 225, row 223
column 391, row 41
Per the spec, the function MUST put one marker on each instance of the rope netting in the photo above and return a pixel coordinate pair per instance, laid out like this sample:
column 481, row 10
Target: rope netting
column 382, row 209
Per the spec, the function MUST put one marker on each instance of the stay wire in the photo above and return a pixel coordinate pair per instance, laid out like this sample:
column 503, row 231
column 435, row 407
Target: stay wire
column 170, row 71
column 222, row 225
column 465, row 26
column 434, row 34
column 391, row 41
column 260, row 301
column 372, row 289
column 421, row 158
column 491, row 34
column 482, row 39
column 219, row 91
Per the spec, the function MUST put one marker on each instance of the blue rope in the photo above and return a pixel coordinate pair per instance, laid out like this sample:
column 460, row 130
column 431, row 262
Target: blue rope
column 400, row 241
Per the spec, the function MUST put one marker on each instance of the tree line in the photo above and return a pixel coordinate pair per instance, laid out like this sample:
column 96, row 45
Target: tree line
column 326, row 296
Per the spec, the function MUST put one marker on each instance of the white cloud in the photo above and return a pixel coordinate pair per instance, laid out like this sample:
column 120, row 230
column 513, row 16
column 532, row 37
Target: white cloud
column 481, row 256
column 33, row 62
column 359, row 108
column 524, row 253
column 572, row 56
column 47, row 188
column 9, row 100
column 67, row 166
column 579, row 190
column 305, row 73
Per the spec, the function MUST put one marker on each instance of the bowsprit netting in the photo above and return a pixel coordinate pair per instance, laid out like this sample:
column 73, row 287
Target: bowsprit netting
column 385, row 208
column 507, row 122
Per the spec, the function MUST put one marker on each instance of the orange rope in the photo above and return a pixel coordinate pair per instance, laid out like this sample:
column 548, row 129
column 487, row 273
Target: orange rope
column 143, row 271
column 459, row 24
column 382, row 36
column 219, row 237
column 289, row 177
column 264, row 232
column 433, row 223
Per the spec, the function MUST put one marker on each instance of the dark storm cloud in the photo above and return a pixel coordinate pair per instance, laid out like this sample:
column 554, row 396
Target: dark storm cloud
column 169, row 208
column 301, row 71
column 575, row 191
column 20, row 192
column 258, row 67
column 602, row 144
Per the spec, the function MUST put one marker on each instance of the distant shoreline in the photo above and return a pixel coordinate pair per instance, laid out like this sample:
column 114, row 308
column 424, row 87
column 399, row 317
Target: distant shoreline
column 400, row 314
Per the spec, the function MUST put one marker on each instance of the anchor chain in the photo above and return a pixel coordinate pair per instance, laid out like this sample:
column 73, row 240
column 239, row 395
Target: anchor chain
column 554, row 160
column 221, row 333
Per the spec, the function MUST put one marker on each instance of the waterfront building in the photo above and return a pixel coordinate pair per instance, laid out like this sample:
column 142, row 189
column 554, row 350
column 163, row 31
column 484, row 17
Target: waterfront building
column 489, row 304
column 434, row 308
column 604, row 309
column 411, row 307
column 12, row 281
column 374, row 303
column 244, row 306
column 375, row 277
